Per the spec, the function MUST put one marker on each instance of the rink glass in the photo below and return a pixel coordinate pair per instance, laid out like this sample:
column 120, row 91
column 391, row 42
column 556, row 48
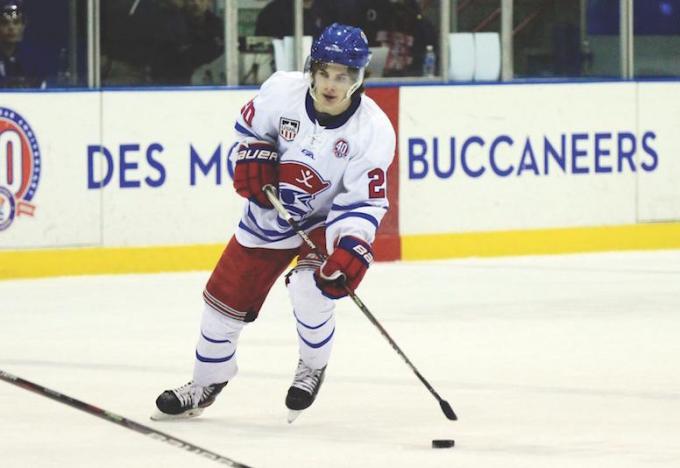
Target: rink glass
column 89, row 43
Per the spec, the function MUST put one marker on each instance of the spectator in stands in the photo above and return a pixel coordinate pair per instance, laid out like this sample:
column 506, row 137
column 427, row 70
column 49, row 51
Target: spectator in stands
column 276, row 18
column 399, row 25
column 206, row 38
column 171, row 44
column 16, row 69
column 159, row 42
column 129, row 40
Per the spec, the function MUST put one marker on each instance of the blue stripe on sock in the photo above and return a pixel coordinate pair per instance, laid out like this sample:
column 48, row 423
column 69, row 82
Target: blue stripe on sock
column 317, row 345
column 214, row 341
column 214, row 360
column 310, row 327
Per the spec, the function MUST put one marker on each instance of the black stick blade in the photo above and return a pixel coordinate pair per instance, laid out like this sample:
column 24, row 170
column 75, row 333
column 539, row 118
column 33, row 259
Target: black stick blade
column 448, row 411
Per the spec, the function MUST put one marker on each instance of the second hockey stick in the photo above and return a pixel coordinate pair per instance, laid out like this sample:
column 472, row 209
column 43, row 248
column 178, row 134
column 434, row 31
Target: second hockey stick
column 120, row 420
column 270, row 191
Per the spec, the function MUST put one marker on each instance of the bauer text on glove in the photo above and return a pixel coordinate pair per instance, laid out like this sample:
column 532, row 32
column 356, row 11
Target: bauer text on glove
column 256, row 166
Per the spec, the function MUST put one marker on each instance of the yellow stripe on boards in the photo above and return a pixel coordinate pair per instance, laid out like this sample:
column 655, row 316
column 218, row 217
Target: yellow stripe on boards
column 85, row 261
column 541, row 241
column 18, row 264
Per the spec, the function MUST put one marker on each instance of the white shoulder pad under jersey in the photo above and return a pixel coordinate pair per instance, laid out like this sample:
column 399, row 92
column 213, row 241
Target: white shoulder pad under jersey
column 333, row 175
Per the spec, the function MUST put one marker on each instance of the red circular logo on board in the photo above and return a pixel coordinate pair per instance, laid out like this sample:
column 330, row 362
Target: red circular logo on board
column 20, row 166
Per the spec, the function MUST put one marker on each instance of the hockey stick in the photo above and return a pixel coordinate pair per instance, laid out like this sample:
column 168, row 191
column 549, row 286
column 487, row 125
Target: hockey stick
column 270, row 191
column 116, row 419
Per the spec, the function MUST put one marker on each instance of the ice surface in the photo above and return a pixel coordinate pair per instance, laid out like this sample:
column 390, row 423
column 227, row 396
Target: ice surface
column 554, row 361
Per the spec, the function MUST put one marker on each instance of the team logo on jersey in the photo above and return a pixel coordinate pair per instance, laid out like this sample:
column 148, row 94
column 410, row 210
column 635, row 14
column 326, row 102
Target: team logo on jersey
column 299, row 184
column 19, row 167
column 341, row 148
column 288, row 128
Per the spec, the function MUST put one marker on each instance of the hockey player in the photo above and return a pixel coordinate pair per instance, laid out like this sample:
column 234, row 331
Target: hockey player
column 327, row 148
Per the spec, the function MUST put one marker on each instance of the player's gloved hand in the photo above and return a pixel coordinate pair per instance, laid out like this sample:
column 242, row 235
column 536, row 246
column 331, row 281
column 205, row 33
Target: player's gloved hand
column 257, row 164
column 346, row 266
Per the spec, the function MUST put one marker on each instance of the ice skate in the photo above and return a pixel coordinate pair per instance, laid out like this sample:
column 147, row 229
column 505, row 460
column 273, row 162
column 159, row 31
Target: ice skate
column 304, row 389
column 187, row 401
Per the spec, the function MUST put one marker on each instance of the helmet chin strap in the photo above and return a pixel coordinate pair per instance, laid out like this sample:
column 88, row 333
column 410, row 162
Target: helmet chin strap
column 312, row 90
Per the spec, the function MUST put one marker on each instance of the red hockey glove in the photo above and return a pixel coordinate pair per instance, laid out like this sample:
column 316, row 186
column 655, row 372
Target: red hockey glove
column 257, row 164
column 346, row 266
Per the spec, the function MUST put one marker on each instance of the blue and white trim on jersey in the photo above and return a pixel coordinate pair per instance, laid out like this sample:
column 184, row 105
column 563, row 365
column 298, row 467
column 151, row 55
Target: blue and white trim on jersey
column 369, row 214
column 244, row 132
column 371, row 219
column 250, row 225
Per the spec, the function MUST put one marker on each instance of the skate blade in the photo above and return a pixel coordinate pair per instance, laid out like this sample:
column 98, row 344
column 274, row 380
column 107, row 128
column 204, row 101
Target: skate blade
column 293, row 415
column 160, row 416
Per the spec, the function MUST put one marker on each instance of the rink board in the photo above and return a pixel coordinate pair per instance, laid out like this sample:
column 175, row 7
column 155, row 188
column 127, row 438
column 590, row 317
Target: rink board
column 152, row 163
column 139, row 181
column 539, row 168
column 612, row 156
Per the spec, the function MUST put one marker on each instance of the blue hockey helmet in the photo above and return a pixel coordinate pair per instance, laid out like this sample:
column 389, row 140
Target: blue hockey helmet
column 342, row 44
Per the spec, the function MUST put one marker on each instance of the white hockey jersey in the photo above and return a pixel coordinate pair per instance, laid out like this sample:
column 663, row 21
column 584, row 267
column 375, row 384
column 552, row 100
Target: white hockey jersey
column 334, row 175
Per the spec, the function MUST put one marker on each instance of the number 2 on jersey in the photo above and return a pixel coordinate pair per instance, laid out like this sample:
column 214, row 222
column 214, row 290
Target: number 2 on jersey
column 376, row 187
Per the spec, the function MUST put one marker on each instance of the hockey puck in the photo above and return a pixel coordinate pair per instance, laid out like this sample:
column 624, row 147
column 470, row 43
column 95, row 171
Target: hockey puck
column 443, row 443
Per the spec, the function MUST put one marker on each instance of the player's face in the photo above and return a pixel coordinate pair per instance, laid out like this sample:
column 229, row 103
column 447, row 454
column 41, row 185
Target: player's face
column 331, row 83
column 11, row 30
